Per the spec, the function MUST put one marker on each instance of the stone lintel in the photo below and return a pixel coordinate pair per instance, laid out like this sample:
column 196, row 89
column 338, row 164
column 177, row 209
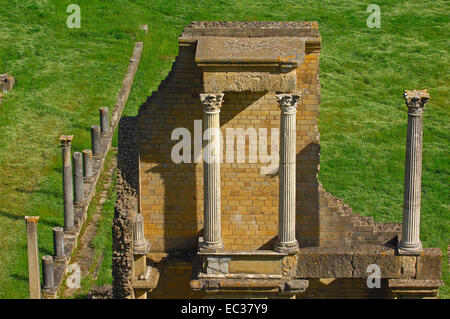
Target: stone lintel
column 260, row 285
column 218, row 80
column 269, row 50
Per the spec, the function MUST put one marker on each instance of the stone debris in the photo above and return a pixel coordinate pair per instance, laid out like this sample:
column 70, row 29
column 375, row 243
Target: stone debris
column 6, row 84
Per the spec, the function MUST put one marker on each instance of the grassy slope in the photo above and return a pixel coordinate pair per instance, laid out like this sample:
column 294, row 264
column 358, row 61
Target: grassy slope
column 64, row 75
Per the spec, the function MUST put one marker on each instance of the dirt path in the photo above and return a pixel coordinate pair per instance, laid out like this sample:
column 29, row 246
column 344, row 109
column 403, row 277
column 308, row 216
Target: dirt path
column 85, row 254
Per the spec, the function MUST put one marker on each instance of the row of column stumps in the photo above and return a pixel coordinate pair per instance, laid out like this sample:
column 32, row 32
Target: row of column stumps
column 73, row 189
column 410, row 243
column 83, row 168
column 212, row 239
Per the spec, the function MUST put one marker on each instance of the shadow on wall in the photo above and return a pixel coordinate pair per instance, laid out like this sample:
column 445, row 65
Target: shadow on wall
column 183, row 199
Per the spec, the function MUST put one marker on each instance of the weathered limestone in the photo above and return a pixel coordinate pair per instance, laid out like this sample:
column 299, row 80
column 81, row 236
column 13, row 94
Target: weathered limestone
column 78, row 178
column 104, row 120
column 48, row 275
column 211, row 170
column 88, row 170
column 287, row 241
column 96, row 140
column 410, row 243
column 58, row 243
column 67, row 182
column 34, row 276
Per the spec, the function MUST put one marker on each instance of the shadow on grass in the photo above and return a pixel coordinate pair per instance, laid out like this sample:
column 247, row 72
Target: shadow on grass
column 24, row 191
column 20, row 278
column 22, row 217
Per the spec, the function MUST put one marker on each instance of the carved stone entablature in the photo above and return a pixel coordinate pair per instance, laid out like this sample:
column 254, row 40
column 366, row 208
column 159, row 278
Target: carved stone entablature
column 416, row 100
column 211, row 102
column 288, row 102
column 250, row 64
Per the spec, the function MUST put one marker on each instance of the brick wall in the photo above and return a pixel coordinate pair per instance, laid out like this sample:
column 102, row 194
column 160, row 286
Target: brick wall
column 172, row 194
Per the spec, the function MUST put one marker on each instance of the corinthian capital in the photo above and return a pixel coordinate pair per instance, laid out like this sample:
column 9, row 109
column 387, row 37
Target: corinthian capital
column 211, row 102
column 288, row 102
column 416, row 100
column 65, row 140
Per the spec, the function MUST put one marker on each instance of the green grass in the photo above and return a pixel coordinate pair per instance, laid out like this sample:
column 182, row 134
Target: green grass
column 64, row 76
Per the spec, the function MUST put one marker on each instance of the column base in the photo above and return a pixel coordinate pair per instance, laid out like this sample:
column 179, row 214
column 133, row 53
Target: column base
column 211, row 246
column 289, row 248
column 409, row 249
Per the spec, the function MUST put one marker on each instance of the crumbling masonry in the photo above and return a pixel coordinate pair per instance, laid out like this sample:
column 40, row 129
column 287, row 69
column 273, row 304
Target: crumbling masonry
column 218, row 229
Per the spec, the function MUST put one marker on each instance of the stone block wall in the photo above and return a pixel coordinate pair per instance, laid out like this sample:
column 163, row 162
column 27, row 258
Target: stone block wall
column 171, row 195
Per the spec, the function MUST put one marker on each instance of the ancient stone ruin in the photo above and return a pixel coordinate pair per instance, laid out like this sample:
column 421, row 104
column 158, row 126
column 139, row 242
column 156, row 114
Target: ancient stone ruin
column 6, row 84
column 219, row 224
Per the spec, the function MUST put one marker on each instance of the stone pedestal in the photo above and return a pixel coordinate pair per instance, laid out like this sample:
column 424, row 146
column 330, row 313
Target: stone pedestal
column 34, row 276
column 410, row 243
column 211, row 170
column 287, row 241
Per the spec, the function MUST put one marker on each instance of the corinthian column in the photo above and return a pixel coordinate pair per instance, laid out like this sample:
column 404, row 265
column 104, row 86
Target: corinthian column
column 286, row 209
column 410, row 243
column 212, row 238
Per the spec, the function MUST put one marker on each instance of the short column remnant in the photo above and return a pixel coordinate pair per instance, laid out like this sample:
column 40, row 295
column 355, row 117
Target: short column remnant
column 58, row 243
column 141, row 248
column 78, row 179
column 287, row 241
column 138, row 234
column 88, row 170
column 6, row 83
column 33, row 257
column 95, row 140
column 67, row 182
column 410, row 243
column 104, row 120
column 211, row 171
column 48, row 275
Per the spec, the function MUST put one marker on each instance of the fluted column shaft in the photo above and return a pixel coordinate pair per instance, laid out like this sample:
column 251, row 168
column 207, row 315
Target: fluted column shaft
column 410, row 243
column 212, row 238
column 287, row 241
